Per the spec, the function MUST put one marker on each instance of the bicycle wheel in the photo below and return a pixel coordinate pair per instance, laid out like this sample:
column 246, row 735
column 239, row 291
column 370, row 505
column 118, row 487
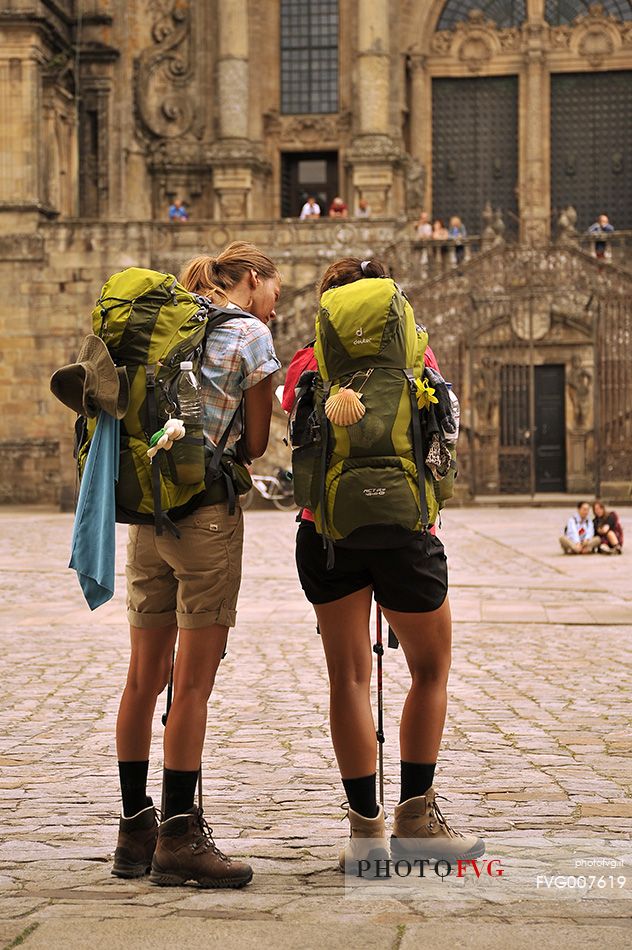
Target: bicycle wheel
column 284, row 502
column 246, row 500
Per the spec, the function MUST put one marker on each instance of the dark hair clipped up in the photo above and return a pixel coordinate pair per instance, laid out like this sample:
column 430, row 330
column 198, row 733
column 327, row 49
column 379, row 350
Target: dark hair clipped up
column 349, row 269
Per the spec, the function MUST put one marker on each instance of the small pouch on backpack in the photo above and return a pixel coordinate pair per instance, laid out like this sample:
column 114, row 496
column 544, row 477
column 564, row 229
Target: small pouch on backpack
column 306, row 466
column 303, row 422
column 184, row 463
column 238, row 474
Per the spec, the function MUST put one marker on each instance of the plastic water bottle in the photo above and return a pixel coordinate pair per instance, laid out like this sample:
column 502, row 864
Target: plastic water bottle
column 189, row 395
column 187, row 454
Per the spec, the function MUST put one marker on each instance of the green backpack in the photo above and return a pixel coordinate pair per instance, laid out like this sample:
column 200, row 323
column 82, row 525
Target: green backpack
column 366, row 482
column 150, row 324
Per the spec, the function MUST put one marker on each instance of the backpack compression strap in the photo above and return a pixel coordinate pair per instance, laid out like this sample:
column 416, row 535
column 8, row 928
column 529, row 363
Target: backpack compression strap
column 418, row 448
column 160, row 517
column 327, row 541
column 220, row 316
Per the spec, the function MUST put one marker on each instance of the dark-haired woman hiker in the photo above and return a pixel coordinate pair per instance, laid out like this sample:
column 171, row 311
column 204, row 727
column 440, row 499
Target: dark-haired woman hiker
column 187, row 588
column 405, row 571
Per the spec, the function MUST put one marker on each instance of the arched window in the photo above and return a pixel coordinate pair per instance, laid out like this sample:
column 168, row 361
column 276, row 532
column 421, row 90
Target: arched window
column 565, row 11
column 504, row 13
column 309, row 56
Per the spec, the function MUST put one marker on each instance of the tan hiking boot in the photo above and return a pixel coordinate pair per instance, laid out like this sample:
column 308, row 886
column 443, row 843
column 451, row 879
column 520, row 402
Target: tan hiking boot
column 421, row 831
column 136, row 843
column 186, row 852
column 367, row 843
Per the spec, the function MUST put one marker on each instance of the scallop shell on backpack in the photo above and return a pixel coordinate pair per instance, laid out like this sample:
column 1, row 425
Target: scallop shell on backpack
column 345, row 407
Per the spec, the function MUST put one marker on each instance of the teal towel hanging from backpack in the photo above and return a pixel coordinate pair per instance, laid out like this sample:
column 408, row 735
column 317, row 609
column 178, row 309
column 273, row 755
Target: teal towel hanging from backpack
column 93, row 537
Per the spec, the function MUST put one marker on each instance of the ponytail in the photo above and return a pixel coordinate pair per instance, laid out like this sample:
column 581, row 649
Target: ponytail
column 213, row 276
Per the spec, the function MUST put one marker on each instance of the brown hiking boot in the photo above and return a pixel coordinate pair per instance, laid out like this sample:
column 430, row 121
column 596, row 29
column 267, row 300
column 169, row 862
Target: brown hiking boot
column 421, row 831
column 366, row 846
column 136, row 843
column 186, row 852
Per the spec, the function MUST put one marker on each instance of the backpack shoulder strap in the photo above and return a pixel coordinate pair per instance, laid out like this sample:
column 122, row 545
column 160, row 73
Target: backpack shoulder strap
column 418, row 448
column 220, row 315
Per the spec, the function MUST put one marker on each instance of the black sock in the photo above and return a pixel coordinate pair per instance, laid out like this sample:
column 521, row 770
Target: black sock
column 179, row 791
column 361, row 795
column 417, row 777
column 133, row 778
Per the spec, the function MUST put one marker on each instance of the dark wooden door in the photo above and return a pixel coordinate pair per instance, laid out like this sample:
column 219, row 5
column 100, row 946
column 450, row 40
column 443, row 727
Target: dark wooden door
column 474, row 148
column 591, row 146
column 304, row 174
column 550, row 429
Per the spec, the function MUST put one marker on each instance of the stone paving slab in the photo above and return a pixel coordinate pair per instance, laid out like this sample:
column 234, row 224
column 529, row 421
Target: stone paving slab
column 535, row 757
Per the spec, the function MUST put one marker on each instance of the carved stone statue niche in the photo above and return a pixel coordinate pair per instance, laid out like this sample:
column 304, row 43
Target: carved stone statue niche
column 580, row 390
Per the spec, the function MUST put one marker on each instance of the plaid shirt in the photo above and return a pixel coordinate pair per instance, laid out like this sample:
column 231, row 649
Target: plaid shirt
column 238, row 355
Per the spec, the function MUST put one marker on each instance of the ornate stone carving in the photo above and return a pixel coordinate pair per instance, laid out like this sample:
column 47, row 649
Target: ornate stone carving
column 510, row 40
column 187, row 152
column 595, row 45
column 595, row 35
column 232, row 202
column 164, row 74
column 475, row 51
column 307, row 129
column 567, row 233
column 486, row 391
column 442, row 42
column 373, row 148
column 415, row 185
column 476, row 40
column 580, row 391
column 531, row 318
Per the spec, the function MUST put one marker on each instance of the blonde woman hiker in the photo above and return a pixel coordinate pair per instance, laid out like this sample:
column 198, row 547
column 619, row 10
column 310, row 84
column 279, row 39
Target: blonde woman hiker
column 187, row 588
column 355, row 545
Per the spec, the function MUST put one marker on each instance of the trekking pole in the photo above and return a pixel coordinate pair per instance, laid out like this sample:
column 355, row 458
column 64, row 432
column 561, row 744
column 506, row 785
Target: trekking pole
column 165, row 715
column 378, row 649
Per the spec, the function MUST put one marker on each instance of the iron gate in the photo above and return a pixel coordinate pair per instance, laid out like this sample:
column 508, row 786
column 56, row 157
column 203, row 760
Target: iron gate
column 613, row 395
column 538, row 345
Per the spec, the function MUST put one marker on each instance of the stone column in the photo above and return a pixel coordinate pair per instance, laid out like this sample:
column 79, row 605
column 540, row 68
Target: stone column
column 21, row 173
column 372, row 157
column 236, row 162
column 535, row 186
column 420, row 129
column 232, row 68
column 373, row 67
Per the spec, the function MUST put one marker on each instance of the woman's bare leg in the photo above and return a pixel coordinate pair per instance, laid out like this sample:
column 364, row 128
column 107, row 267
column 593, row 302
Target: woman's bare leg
column 344, row 629
column 426, row 641
column 199, row 653
column 148, row 674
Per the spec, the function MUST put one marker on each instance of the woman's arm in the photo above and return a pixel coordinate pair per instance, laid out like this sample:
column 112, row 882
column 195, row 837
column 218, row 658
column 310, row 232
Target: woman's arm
column 257, row 415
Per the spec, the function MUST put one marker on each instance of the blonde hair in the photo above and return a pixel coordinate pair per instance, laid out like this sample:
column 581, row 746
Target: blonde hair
column 213, row 276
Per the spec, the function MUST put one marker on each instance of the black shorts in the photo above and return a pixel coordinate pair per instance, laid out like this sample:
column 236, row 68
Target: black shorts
column 412, row 578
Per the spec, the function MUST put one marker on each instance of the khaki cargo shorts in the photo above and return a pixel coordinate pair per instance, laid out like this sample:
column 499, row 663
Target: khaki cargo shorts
column 192, row 580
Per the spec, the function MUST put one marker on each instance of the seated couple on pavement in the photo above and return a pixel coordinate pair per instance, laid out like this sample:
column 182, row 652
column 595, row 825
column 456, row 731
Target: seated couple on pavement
column 602, row 534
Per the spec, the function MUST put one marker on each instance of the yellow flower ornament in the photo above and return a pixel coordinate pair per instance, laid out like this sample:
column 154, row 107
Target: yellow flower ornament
column 425, row 393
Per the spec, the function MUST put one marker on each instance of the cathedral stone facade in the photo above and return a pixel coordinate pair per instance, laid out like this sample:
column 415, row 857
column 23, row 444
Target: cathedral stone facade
column 512, row 114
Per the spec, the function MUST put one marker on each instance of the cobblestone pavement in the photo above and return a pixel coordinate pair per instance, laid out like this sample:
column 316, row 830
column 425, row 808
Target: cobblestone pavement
column 535, row 758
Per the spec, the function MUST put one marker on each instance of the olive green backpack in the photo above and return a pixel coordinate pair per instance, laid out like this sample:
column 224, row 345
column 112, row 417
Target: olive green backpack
column 150, row 324
column 366, row 482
